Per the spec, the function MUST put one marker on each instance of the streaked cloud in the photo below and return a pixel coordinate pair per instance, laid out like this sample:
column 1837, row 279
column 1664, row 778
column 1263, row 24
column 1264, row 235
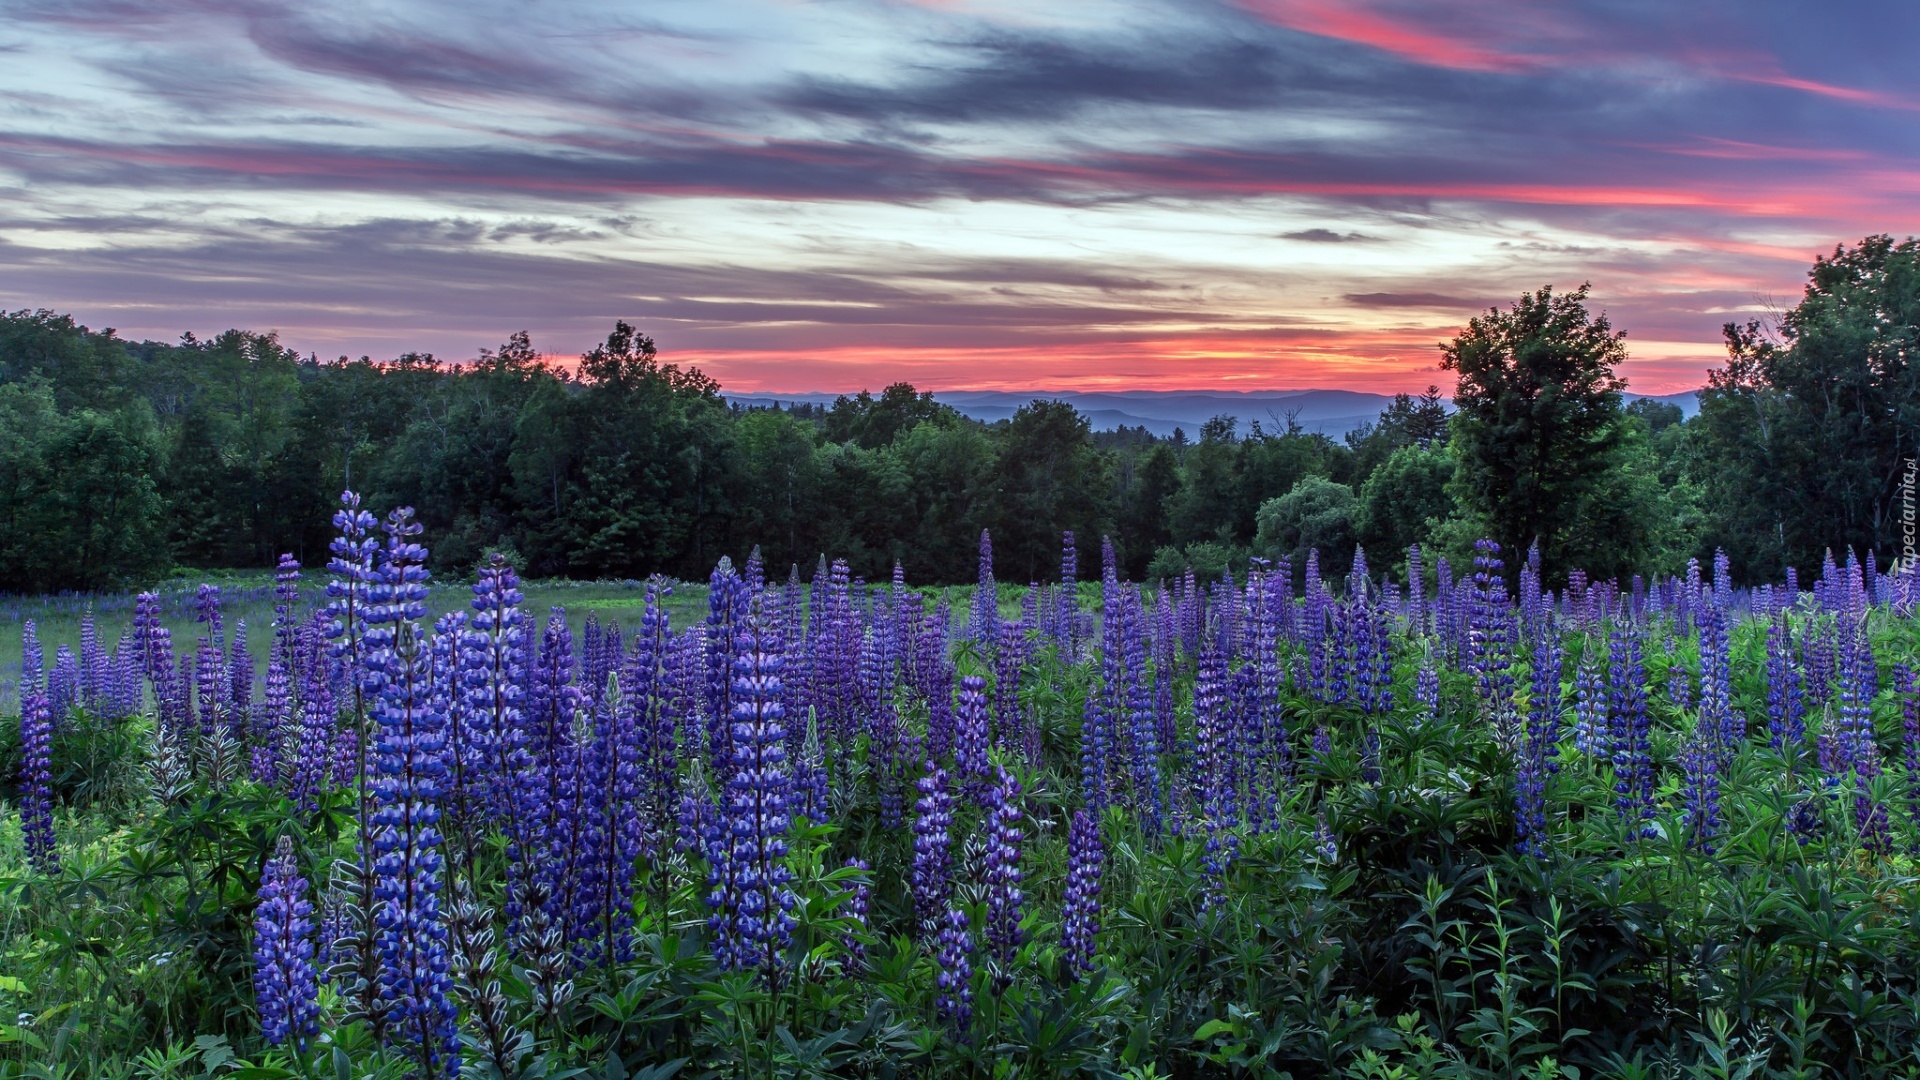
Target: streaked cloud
column 826, row 195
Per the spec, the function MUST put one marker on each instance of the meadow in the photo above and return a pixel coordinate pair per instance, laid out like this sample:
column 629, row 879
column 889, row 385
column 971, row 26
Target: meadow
column 1299, row 821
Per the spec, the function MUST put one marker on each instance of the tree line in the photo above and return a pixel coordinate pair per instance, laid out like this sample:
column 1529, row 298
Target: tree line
column 123, row 461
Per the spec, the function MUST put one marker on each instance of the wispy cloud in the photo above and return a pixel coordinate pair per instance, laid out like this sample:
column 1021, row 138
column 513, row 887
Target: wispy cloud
column 1240, row 193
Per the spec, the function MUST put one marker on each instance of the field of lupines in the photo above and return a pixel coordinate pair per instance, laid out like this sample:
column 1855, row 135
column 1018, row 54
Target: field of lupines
column 1300, row 823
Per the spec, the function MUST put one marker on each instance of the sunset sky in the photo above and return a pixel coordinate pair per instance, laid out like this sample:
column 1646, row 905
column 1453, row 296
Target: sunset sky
column 1242, row 194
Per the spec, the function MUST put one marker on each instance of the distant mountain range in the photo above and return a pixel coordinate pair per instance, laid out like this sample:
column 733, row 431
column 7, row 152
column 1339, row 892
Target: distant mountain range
column 1331, row 412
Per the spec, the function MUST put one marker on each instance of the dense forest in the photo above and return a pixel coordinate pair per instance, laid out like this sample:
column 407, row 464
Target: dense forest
column 122, row 462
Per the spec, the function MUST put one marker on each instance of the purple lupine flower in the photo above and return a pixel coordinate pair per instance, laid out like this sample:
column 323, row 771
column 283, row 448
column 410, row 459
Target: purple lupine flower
column 649, row 682
column 63, row 685
column 1325, row 847
column 1096, row 753
column 1143, row 736
column 495, row 677
column 1416, row 591
column 1538, row 756
column 953, row 1004
column 811, row 790
column 285, row 986
column 240, row 679
column 1701, row 789
column 1489, row 631
column 350, row 581
column 971, row 738
column 1786, row 712
column 273, row 726
column 1726, row 729
column 32, row 659
column 727, row 600
column 36, row 782
column 593, row 667
column 753, row 921
column 551, row 695
column 312, row 772
column 146, row 624
column 1857, row 743
column 1066, row 624
column 1632, row 757
column 93, row 666
column 1426, row 689
column 983, row 625
column 286, row 599
column 463, row 797
column 859, row 904
column 1264, row 721
column 1590, row 731
column 1080, row 919
column 620, row 832
column 932, row 877
column 1003, row 877
column 836, row 687
column 410, row 775
column 1212, row 720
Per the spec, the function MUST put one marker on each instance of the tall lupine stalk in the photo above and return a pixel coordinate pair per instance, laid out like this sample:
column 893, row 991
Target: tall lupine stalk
column 1540, row 751
column 352, row 576
column 311, row 773
column 36, row 782
column 1264, row 721
column 1857, row 743
column 274, row 726
column 93, row 665
column 1067, row 617
column 1005, row 900
column 463, row 803
column 1628, row 726
column 1096, row 754
column 953, row 997
column 931, row 881
column 1724, row 729
column 1488, row 653
column 1080, row 917
column 727, row 602
column 836, row 687
column 1143, row 734
column 285, row 987
column 1216, row 756
column 1700, row 789
column 1590, row 700
column 620, row 831
column 983, row 623
column 1213, row 737
column 971, row 738
column 33, row 660
column 752, row 901
column 494, row 675
column 239, row 678
column 649, row 683
column 410, row 778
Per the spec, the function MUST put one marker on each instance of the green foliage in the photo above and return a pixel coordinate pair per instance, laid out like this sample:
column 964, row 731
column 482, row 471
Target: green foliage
column 1317, row 514
column 1404, row 500
column 1806, row 434
column 1424, row 947
column 1406, row 421
column 1538, row 428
